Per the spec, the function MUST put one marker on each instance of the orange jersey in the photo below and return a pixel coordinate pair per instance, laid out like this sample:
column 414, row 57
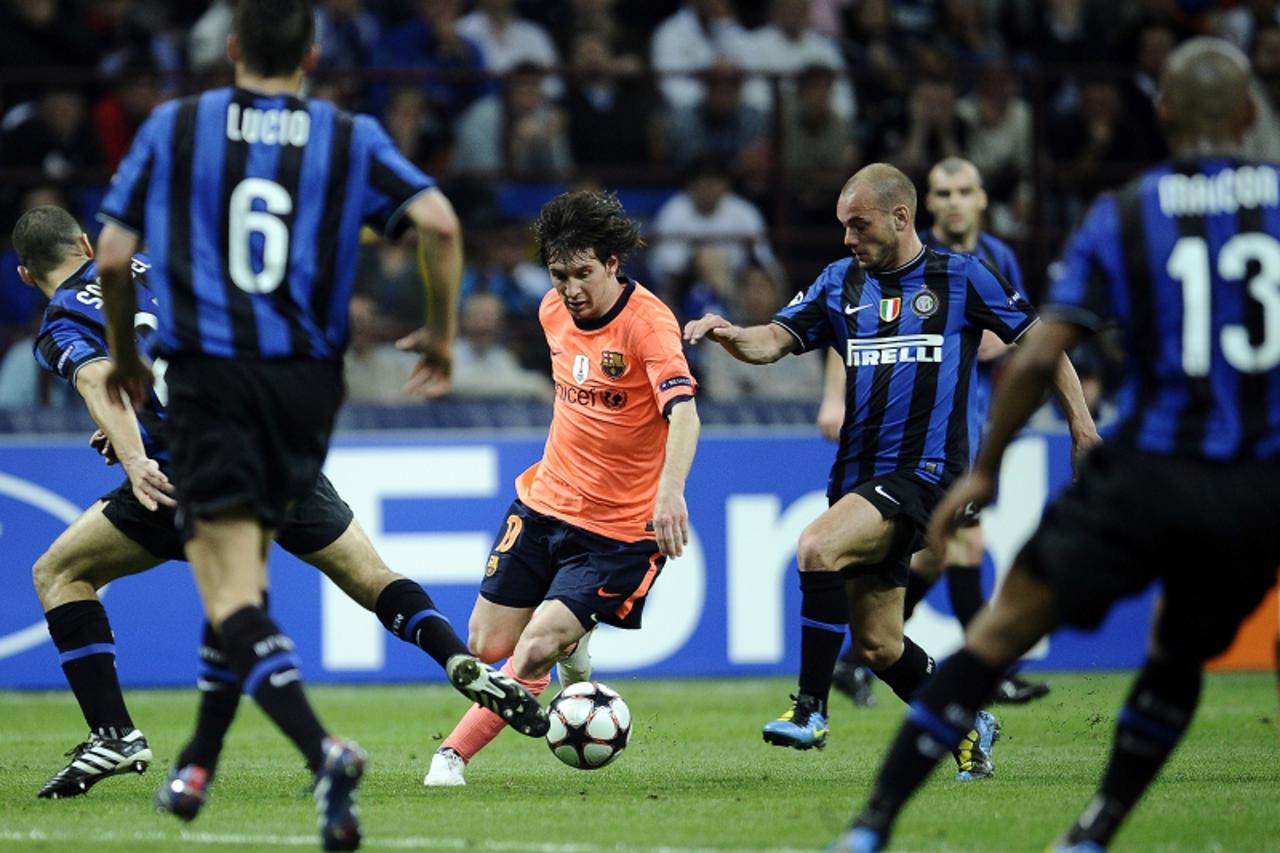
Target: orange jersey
column 616, row 378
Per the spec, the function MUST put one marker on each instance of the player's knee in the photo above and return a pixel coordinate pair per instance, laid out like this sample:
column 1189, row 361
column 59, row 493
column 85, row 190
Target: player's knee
column 813, row 553
column 877, row 652
column 50, row 573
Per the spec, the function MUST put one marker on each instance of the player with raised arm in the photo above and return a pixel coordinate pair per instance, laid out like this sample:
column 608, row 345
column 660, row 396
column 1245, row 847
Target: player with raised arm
column 251, row 200
column 957, row 201
column 132, row 529
column 907, row 319
column 595, row 520
column 1186, row 259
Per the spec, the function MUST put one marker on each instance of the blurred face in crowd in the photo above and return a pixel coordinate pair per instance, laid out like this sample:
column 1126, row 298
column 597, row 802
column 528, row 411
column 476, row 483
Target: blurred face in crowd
column 871, row 232
column 813, row 95
column 587, row 286
column 139, row 96
column 62, row 111
column 759, row 297
column 35, row 12
column 523, row 93
column 791, row 16
column 724, row 90
column 706, row 191
column 590, row 54
column 1154, row 45
column 481, row 320
column 1099, row 101
column 957, row 202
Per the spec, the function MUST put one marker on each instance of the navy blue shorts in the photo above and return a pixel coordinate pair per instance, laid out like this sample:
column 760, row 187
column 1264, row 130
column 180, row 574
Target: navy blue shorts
column 907, row 502
column 537, row 558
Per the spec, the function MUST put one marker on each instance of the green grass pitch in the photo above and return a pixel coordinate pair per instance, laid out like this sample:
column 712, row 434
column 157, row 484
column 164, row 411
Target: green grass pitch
column 697, row 776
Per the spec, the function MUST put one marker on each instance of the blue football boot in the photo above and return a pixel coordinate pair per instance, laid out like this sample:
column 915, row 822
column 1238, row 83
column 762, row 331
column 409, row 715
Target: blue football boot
column 973, row 755
column 802, row 726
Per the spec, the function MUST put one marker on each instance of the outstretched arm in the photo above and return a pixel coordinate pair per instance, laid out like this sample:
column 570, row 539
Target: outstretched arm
column 752, row 344
column 1035, row 364
column 440, row 265
column 1066, row 387
column 118, row 422
column 670, row 513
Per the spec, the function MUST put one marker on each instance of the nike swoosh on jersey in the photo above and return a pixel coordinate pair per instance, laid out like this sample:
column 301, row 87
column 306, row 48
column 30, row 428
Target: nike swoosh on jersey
column 882, row 493
column 854, row 309
column 605, row 594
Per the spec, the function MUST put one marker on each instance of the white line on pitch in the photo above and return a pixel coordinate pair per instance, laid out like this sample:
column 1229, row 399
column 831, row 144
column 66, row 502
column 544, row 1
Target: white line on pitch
column 407, row 843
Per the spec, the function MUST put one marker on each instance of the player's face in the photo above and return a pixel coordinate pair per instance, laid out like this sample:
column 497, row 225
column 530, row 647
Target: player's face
column 957, row 202
column 587, row 287
column 870, row 232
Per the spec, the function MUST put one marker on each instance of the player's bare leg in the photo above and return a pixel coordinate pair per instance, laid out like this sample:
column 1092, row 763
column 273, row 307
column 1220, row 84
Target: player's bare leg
column 88, row 555
column 944, row 711
column 407, row 611
column 851, row 532
column 495, row 632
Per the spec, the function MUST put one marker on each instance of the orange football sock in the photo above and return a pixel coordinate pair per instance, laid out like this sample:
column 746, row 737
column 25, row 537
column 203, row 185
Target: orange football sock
column 479, row 725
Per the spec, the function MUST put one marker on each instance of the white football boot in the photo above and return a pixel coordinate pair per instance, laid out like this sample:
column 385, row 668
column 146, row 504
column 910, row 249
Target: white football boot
column 446, row 769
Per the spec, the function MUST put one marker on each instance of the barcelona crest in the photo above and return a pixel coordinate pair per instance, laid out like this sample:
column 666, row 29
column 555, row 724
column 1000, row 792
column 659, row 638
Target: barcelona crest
column 890, row 309
column 612, row 364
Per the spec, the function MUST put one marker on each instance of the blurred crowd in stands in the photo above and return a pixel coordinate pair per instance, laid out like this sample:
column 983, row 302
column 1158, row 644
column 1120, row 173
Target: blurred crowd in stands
column 727, row 126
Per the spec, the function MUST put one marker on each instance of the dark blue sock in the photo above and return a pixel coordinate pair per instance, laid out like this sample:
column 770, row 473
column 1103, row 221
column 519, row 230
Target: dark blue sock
column 824, row 621
column 406, row 610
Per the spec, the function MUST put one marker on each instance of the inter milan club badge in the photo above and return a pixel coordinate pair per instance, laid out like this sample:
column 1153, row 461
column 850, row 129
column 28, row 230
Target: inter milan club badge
column 924, row 303
column 612, row 364
column 581, row 366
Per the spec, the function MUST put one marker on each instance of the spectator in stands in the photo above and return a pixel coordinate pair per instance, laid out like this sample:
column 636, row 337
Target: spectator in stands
column 570, row 18
column 346, row 34
column 609, row 107
column 507, row 40
column 483, row 365
column 207, row 39
column 121, row 111
column 1055, row 33
column 1152, row 45
column 818, row 151
column 1093, row 149
column 929, row 131
column 388, row 276
column 692, row 40
column 430, row 42
column 126, row 34
column 35, row 37
column 723, row 377
column 1262, row 141
column 518, row 130
column 419, row 134
column 721, row 126
column 52, row 137
column 998, row 127
column 373, row 368
column 784, row 46
column 880, row 54
column 965, row 32
column 706, row 213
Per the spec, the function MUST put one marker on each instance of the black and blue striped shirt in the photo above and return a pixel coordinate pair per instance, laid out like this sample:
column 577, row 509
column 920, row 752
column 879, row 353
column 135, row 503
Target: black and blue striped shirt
column 251, row 206
column 1186, row 259
column 909, row 339
column 73, row 333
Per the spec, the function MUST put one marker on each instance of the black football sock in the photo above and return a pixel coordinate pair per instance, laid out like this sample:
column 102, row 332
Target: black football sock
column 917, row 588
column 405, row 609
column 940, row 717
column 87, row 652
column 909, row 672
column 219, row 698
column 824, row 619
column 964, row 584
column 1151, row 724
column 263, row 658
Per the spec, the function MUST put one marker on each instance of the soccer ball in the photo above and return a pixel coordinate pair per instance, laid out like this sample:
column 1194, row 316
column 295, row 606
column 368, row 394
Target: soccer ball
column 590, row 725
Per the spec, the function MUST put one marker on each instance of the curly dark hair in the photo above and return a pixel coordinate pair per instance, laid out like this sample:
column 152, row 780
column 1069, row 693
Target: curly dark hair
column 274, row 35
column 572, row 224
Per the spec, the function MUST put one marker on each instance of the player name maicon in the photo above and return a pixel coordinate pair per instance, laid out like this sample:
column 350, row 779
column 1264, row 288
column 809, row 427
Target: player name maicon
column 270, row 127
column 899, row 349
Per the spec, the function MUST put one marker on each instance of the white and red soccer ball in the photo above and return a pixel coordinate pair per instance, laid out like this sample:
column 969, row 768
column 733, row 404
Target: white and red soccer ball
column 590, row 725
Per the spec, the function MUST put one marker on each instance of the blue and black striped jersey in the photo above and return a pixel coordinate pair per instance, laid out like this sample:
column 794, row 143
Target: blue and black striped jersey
column 73, row 334
column 251, row 207
column 999, row 255
column 909, row 339
column 1186, row 258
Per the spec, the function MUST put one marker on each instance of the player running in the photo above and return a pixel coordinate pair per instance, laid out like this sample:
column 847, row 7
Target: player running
column 596, row 518
column 132, row 529
column 957, row 201
column 1186, row 258
column 251, row 200
column 907, row 320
